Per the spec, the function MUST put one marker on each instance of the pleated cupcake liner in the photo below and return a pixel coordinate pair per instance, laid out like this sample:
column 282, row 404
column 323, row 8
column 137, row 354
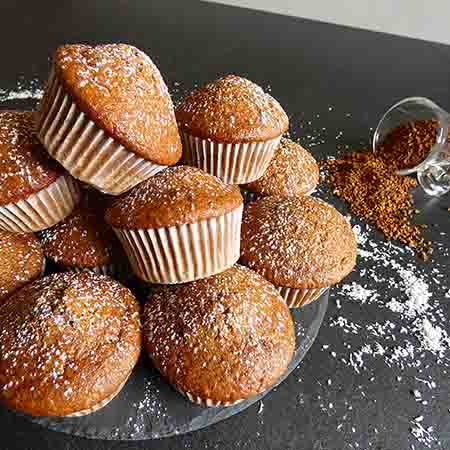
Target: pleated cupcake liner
column 101, row 404
column 233, row 163
column 297, row 298
column 184, row 253
column 206, row 402
column 43, row 209
column 85, row 150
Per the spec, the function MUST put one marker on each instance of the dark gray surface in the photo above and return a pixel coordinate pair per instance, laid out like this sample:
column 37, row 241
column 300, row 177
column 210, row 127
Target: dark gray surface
column 310, row 68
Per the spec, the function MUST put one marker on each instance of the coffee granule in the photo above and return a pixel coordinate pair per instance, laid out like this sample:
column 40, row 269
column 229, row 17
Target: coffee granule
column 408, row 145
column 377, row 193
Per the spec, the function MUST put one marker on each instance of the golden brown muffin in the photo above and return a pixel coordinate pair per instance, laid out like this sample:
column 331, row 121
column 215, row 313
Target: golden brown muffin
column 21, row 261
column 120, row 89
column 232, row 109
column 178, row 195
column 83, row 241
column 222, row 339
column 25, row 167
column 297, row 242
column 178, row 226
column 292, row 172
column 68, row 344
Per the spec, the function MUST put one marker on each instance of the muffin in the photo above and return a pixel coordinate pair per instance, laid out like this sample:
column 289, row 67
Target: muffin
column 84, row 241
column 219, row 340
column 21, row 261
column 35, row 191
column 231, row 128
column 292, row 172
column 107, row 116
column 180, row 225
column 300, row 244
column 68, row 344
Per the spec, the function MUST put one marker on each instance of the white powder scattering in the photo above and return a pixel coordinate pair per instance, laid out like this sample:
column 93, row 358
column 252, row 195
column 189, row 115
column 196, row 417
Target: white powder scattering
column 359, row 293
column 22, row 91
column 435, row 338
column 393, row 312
column 422, row 434
column 417, row 292
column 356, row 357
column 20, row 95
column 361, row 236
column 149, row 409
column 345, row 324
column 261, row 408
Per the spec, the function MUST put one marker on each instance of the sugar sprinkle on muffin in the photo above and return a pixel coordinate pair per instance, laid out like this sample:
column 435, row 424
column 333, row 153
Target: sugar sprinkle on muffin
column 292, row 172
column 35, row 191
column 107, row 116
column 68, row 344
column 84, row 241
column 230, row 128
column 299, row 243
column 21, row 261
column 180, row 225
column 221, row 339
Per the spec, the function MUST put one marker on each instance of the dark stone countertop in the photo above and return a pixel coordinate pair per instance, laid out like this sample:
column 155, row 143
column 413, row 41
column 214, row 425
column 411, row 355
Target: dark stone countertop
column 335, row 82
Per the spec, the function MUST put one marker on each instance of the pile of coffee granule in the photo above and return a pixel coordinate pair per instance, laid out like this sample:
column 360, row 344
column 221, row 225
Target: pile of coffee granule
column 377, row 193
column 408, row 145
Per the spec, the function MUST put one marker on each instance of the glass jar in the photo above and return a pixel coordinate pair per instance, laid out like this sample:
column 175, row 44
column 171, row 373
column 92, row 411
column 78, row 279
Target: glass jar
column 433, row 173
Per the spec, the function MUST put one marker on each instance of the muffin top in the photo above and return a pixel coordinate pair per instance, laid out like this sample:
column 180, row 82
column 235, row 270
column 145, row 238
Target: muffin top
column 177, row 195
column 232, row 109
column 82, row 240
column 67, row 342
column 224, row 338
column 122, row 91
column 297, row 242
column 25, row 167
column 292, row 172
column 21, row 261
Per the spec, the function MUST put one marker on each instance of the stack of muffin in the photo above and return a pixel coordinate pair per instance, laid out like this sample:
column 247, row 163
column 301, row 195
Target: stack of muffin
column 94, row 172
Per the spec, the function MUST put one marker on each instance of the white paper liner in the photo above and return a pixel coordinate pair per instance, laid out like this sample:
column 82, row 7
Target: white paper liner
column 183, row 253
column 232, row 163
column 99, row 405
column 85, row 150
column 206, row 402
column 297, row 298
column 43, row 209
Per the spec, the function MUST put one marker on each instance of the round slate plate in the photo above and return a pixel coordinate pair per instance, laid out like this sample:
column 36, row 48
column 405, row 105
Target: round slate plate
column 148, row 408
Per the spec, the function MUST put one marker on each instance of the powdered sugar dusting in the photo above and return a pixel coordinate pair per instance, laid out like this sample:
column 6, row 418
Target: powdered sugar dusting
column 402, row 308
column 23, row 90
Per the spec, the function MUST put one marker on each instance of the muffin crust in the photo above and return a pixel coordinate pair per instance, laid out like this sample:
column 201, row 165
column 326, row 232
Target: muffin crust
column 297, row 242
column 224, row 338
column 178, row 195
column 82, row 240
column 119, row 88
column 25, row 167
column 67, row 343
column 231, row 110
column 21, row 261
column 292, row 172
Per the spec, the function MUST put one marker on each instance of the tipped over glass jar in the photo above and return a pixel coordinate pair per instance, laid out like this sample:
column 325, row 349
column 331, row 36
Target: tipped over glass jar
column 415, row 132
